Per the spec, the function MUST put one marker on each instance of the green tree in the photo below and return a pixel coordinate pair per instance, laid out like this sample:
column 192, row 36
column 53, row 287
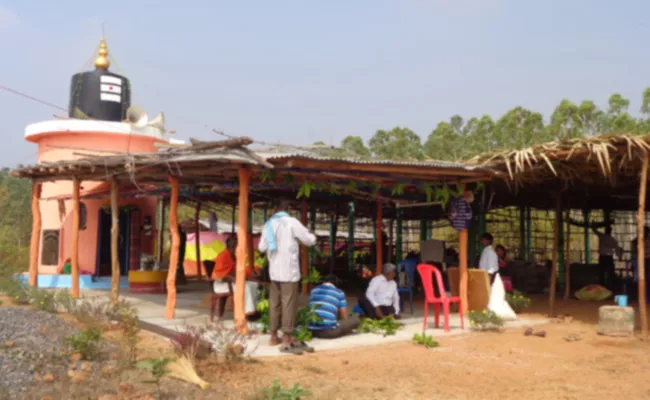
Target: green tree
column 16, row 217
column 444, row 142
column 354, row 146
column 396, row 144
column 591, row 118
column 565, row 121
column 617, row 119
column 520, row 128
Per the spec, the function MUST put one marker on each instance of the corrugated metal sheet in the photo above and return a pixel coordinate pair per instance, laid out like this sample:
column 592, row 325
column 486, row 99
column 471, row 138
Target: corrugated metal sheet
column 427, row 164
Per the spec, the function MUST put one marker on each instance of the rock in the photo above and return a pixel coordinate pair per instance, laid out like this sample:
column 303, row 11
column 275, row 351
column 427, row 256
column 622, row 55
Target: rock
column 126, row 388
column 78, row 377
column 48, row 378
column 87, row 367
column 615, row 321
column 108, row 370
column 76, row 357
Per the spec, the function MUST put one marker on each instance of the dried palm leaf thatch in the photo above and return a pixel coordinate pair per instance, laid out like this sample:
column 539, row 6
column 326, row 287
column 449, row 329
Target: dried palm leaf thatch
column 568, row 159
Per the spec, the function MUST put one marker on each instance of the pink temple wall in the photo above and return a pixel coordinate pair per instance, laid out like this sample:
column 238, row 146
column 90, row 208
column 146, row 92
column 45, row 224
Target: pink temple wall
column 54, row 146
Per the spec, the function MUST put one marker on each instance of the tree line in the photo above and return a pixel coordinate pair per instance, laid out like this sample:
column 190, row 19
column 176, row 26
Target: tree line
column 461, row 138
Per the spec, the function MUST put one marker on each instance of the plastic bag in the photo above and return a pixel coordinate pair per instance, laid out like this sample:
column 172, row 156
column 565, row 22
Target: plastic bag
column 498, row 303
column 593, row 293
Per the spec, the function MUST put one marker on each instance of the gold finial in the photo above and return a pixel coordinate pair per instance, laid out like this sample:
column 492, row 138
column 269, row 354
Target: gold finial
column 102, row 62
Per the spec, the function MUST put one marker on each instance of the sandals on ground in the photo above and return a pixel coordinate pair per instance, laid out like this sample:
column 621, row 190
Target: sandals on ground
column 291, row 348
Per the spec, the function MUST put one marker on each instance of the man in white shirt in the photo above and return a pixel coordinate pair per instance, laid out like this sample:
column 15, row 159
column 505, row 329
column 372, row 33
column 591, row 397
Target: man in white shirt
column 381, row 298
column 489, row 261
column 607, row 248
column 280, row 240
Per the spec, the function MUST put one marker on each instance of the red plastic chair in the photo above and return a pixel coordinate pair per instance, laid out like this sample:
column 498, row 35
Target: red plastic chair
column 426, row 272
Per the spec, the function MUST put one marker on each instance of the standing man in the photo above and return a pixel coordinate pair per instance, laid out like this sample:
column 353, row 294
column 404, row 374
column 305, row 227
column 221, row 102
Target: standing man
column 280, row 239
column 489, row 261
column 607, row 247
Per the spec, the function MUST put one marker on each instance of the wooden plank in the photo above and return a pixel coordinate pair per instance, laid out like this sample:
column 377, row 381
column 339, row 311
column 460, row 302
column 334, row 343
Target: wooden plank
column 34, row 244
column 556, row 251
column 115, row 233
column 567, row 262
column 176, row 244
column 242, row 239
column 463, row 265
column 641, row 247
column 74, row 256
column 304, row 251
column 379, row 241
column 197, row 242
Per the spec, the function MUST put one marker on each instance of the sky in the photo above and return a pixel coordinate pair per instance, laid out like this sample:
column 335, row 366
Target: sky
column 299, row 71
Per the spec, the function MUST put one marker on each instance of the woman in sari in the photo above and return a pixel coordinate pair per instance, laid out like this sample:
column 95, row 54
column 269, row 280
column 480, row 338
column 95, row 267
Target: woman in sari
column 224, row 279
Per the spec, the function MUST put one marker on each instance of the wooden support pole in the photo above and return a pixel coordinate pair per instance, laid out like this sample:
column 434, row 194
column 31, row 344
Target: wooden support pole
column 115, row 233
column 35, row 242
column 641, row 247
column 351, row 225
column 161, row 233
column 567, row 255
column 391, row 238
column 74, row 256
column 242, row 245
column 304, row 251
column 174, row 254
column 197, row 242
column 556, row 252
column 379, row 240
column 463, row 265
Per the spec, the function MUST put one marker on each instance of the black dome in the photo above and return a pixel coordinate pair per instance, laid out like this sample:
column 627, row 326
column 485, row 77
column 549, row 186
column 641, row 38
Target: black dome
column 100, row 95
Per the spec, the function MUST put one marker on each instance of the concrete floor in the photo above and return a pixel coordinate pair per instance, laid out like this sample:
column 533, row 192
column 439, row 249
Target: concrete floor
column 192, row 308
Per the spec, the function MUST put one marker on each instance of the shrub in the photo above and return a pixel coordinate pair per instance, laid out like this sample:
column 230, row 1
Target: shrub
column 386, row 326
column 225, row 342
column 276, row 392
column 485, row 320
column 517, row 301
column 87, row 343
column 15, row 289
column 42, row 299
column 189, row 342
column 129, row 325
column 425, row 340
column 263, row 309
column 306, row 316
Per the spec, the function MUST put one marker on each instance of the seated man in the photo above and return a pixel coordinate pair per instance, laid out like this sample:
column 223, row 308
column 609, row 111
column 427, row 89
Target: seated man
column 224, row 281
column 382, row 299
column 331, row 307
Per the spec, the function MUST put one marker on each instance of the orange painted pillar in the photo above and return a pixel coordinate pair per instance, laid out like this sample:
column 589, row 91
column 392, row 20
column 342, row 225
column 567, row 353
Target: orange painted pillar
column 304, row 252
column 74, row 256
column 35, row 242
column 242, row 245
column 379, row 240
column 197, row 243
column 175, row 250
column 462, row 264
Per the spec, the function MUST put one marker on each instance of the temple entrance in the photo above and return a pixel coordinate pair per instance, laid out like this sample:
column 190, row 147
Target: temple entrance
column 125, row 242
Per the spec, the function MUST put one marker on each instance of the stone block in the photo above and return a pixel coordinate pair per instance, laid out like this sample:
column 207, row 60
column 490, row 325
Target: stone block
column 616, row 321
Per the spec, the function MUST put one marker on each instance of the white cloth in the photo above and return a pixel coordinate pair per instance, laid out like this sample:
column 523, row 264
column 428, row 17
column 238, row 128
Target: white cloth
column 382, row 292
column 489, row 261
column 498, row 303
column 284, row 263
column 607, row 245
column 250, row 295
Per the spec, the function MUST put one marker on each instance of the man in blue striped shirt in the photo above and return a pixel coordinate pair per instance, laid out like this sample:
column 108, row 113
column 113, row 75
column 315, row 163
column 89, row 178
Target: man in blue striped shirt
column 331, row 307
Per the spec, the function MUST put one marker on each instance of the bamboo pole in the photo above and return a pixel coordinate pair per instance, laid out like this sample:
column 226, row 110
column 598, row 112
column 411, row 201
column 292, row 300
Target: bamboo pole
column 35, row 242
column 567, row 262
column 174, row 254
column 197, row 242
column 115, row 232
column 161, row 233
column 378, row 241
column 304, row 252
column 641, row 247
column 74, row 256
column 556, row 251
column 463, row 266
column 242, row 245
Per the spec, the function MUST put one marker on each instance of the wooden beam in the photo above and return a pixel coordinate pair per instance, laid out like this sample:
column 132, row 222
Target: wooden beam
column 641, row 256
column 379, row 240
column 197, row 243
column 556, row 252
column 304, row 251
column 176, row 244
column 462, row 264
column 34, row 244
column 115, row 233
column 567, row 257
column 74, row 256
column 242, row 239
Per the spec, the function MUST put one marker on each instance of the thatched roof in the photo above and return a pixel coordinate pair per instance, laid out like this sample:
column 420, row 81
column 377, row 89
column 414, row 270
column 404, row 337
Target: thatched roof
column 591, row 172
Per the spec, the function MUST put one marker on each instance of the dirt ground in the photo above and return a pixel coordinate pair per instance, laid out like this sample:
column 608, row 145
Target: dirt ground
column 487, row 366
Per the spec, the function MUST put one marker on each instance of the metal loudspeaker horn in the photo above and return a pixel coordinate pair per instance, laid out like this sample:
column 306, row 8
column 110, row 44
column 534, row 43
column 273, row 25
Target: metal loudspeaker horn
column 158, row 122
column 137, row 116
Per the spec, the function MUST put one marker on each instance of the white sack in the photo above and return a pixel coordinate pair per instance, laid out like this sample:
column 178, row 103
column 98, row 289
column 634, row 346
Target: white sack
column 498, row 303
